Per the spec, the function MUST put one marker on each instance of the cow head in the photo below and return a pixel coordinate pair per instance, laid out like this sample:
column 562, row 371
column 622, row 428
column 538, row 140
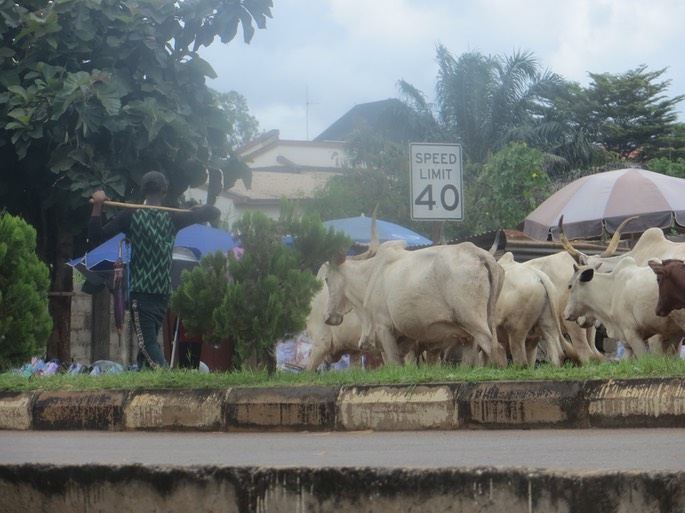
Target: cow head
column 338, row 303
column 670, row 277
column 346, row 282
column 576, row 309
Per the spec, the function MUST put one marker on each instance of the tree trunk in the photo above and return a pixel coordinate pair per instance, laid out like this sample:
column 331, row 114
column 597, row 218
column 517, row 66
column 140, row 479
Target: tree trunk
column 61, row 290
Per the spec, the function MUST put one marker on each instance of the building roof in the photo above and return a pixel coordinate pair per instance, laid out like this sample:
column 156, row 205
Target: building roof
column 388, row 117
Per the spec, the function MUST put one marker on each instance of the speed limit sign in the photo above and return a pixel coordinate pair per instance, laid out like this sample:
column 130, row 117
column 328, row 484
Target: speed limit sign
column 436, row 182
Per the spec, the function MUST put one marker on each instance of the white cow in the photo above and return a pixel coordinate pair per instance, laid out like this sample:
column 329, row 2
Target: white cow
column 559, row 268
column 652, row 244
column 330, row 343
column 441, row 295
column 623, row 300
column 527, row 313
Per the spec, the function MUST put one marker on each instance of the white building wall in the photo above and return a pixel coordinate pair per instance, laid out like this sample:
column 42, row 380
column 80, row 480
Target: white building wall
column 303, row 153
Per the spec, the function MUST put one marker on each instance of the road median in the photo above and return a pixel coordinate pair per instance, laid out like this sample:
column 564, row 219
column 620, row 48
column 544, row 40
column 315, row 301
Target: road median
column 630, row 403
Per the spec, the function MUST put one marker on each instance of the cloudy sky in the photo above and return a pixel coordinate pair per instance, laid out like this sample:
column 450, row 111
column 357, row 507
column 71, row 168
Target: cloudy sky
column 319, row 58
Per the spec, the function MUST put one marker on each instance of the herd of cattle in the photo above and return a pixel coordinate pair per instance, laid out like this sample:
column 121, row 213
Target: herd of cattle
column 439, row 301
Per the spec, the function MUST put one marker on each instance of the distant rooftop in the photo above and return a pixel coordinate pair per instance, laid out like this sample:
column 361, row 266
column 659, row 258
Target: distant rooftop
column 388, row 117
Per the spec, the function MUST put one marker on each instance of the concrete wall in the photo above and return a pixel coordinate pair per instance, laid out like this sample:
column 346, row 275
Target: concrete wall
column 171, row 489
column 93, row 332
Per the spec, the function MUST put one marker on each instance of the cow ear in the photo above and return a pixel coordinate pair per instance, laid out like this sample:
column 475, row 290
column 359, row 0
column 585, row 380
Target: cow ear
column 587, row 275
column 338, row 258
column 656, row 266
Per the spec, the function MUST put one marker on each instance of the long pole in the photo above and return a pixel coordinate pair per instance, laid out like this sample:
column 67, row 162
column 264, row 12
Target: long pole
column 134, row 205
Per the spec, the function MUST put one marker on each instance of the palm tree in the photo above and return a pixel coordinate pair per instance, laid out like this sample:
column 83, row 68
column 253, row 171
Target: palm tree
column 490, row 101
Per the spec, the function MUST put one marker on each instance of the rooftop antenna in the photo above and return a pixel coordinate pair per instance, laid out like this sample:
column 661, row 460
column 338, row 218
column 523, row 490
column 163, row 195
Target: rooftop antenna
column 307, row 103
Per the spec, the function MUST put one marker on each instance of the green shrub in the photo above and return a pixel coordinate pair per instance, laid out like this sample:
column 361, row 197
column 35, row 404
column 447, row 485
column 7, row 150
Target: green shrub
column 270, row 288
column 201, row 290
column 25, row 323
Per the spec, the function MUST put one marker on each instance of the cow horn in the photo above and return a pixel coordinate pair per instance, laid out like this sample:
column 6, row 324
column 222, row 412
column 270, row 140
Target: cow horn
column 578, row 256
column 373, row 244
column 613, row 244
column 369, row 253
column 495, row 245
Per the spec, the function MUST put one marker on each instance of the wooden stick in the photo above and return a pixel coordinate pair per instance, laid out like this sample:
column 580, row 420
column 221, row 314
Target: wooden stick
column 134, row 205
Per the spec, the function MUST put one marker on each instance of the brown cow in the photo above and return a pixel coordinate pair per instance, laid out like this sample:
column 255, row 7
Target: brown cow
column 670, row 275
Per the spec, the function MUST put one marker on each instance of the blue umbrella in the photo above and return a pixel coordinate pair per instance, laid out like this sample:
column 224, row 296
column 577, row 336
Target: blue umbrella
column 359, row 230
column 202, row 239
column 192, row 243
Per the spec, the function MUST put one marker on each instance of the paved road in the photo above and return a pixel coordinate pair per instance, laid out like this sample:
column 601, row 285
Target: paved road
column 625, row 449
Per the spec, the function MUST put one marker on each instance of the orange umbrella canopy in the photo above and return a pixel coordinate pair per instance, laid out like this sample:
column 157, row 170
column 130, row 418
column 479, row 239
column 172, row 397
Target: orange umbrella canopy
column 597, row 203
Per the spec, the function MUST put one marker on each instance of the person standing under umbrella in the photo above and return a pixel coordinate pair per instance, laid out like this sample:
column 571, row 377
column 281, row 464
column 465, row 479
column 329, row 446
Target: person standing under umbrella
column 152, row 233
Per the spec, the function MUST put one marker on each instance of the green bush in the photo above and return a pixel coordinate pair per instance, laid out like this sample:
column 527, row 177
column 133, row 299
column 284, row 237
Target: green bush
column 201, row 290
column 25, row 323
column 270, row 288
column 269, row 293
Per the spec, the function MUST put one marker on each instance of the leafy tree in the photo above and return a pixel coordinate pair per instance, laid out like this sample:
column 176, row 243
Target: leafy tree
column 668, row 167
column 560, row 133
column 312, row 242
column 486, row 100
column 97, row 92
column 244, row 126
column 24, row 320
column 672, row 143
column 630, row 114
column 509, row 188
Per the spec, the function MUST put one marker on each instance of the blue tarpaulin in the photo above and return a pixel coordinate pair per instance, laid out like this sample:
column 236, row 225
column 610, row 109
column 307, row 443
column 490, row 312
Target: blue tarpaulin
column 359, row 230
column 192, row 243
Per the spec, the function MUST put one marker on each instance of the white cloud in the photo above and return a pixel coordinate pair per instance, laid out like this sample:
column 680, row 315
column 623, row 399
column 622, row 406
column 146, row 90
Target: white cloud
column 346, row 52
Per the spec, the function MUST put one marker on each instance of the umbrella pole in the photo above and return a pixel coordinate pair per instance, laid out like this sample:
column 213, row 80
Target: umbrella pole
column 174, row 344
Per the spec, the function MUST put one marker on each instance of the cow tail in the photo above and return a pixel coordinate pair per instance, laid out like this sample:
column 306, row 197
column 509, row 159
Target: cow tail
column 496, row 276
column 566, row 346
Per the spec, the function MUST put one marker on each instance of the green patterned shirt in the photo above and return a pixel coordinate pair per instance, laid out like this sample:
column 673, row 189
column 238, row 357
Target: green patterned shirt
column 152, row 234
column 152, row 237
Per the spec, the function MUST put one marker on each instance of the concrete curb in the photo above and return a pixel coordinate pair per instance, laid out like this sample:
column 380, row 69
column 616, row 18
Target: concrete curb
column 176, row 410
column 342, row 489
column 281, row 409
column 630, row 403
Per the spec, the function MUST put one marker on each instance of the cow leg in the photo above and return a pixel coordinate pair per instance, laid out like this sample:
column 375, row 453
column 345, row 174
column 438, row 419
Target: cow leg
column 636, row 343
column 367, row 338
column 391, row 352
column 673, row 345
column 316, row 357
column 532, row 349
column 517, row 347
column 580, row 342
column 553, row 345
column 591, row 334
column 471, row 355
column 494, row 351
column 665, row 345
